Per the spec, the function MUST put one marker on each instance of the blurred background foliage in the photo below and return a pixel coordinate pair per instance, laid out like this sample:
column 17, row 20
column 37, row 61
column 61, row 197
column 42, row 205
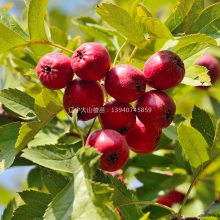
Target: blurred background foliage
column 72, row 22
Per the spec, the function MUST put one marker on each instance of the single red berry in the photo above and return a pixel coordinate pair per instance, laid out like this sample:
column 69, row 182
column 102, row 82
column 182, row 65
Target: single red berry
column 156, row 108
column 142, row 138
column 117, row 116
column 112, row 146
column 171, row 198
column 125, row 83
column 212, row 64
column 91, row 61
column 54, row 70
column 164, row 70
column 84, row 95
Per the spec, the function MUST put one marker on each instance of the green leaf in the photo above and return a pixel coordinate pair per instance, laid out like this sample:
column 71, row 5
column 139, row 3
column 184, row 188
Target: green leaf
column 18, row 102
column 152, row 161
column 35, row 205
column 156, row 29
column 37, row 198
column 171, row 132
column 192, row 52
column 154, row 182
column 8, row 137
column 48, row 135
column 142, row 11
column 70, row 203
column 34, row 178
column 124, row 196
column 194, row 145
column 196, row 76
column 194, row 13
column 11, row 33
column 145, row 216
column 217, row 135
column 202, row 122
column 47, row 106
column 56, row 157
column 208, row 21
column 210, row 218
column 180, row 12
column 121, row 20
column 58, row 36
column 192, row 39
column 36, row 19
column 73, row 44
column 54, row 181
column 8, row 212
column 205, row 190
column 214, row 209
column 37, row 26
column 93, row 31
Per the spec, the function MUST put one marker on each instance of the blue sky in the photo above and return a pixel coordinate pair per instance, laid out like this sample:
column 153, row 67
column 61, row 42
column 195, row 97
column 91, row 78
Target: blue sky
column 71, row 7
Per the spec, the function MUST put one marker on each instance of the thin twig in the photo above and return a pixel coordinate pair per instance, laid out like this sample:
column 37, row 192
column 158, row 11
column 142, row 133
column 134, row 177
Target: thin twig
column 133, row 52
column 90, row 129
column 119, row 51
column 194, row 181
column 43, row 43
column 77, row 127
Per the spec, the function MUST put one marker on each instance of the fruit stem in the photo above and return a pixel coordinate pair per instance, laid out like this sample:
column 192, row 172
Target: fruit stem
column 43, row 42
column 133, row 52
column 119, row 51
column 194, row 181
column 77, row 127
column 105, row 92
column 90, row 129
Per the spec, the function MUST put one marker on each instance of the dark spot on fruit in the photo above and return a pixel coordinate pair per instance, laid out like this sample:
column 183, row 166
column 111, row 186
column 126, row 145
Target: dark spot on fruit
column 168, row 114
column 47, row 69
column 139, row 87
column 123, row 130
column 112, row 158
column 80, row 55
column 134, row 111
column 177, row 61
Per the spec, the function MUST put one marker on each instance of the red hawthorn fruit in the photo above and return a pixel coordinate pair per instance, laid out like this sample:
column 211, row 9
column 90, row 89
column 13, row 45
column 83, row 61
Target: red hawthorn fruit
column 117, row 116
column 142, row 138
column 84, row 95
column 112, row 146
column 125, row 83
column 171, row 198
column 164, row 70
column 156, row 108
column 212, row 64
column 54, row 70
column 91, row 61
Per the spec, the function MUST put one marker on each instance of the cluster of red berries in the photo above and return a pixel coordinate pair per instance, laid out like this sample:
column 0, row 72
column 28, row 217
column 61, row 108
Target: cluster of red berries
column 124, row 126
